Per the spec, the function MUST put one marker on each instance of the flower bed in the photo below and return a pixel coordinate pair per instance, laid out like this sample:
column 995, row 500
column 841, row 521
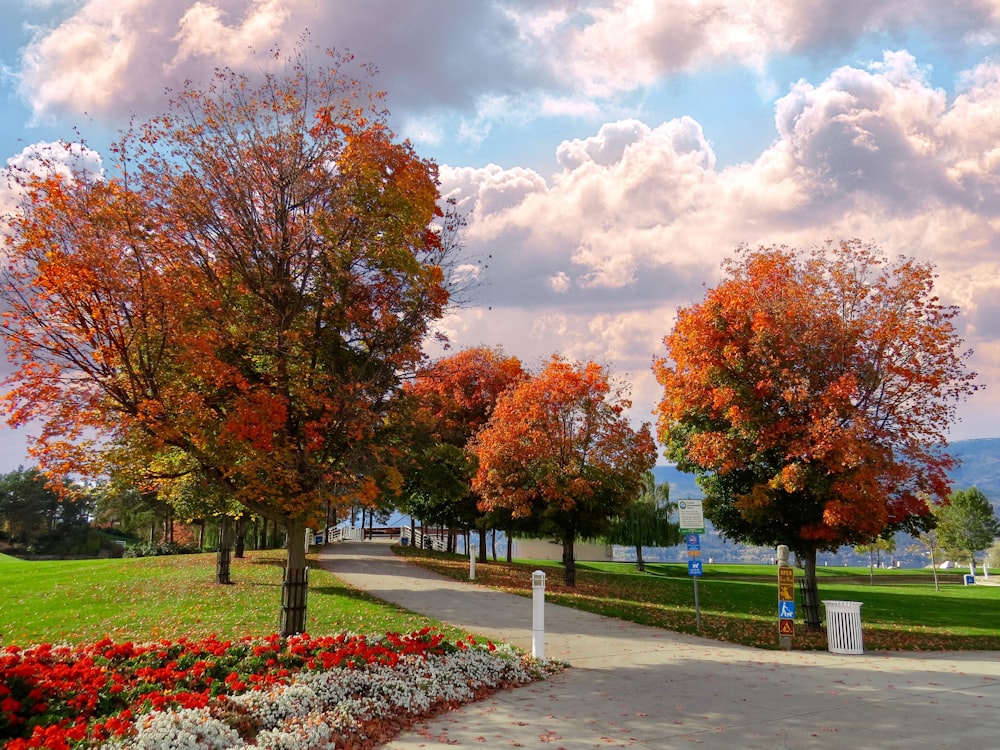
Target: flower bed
column 300, row 692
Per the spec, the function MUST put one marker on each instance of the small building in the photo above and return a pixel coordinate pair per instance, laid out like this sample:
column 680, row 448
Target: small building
column 544, row 549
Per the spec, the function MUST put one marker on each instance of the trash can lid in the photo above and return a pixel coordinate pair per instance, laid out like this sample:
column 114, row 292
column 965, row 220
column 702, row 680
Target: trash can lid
column 837, row 603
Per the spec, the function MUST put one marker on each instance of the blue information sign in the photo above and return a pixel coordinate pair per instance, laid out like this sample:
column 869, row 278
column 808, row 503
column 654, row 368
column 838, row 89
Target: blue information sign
column 694, row 567
column 786, row 610
column 693, row 542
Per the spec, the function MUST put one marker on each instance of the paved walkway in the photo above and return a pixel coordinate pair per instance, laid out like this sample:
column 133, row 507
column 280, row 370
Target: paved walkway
column 638, row 687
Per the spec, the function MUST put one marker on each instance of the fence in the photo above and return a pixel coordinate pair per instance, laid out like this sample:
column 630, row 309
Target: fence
column 420, row 538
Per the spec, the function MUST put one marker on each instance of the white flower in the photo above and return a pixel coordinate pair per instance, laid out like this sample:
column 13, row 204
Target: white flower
column 316, row 709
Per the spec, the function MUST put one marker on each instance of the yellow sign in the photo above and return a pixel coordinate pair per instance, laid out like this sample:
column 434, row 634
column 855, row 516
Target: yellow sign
column 786, row 576
column 786, row 592
column 694, row 553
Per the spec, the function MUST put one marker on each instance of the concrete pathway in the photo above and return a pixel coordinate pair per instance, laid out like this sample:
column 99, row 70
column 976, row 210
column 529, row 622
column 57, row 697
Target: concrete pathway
column 639, row 687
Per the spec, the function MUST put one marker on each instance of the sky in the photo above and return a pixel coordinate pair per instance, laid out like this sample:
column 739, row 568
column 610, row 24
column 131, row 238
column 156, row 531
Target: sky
column 608, row 155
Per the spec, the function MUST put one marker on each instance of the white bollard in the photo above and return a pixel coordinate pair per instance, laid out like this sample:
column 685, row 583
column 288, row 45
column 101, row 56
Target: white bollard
column 472, row 562
column 538, row 614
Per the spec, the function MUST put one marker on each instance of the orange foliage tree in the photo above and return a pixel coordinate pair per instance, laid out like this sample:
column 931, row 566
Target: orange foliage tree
column 248, row 290
column 811, row 393
column 454, row 399
column 559, row 449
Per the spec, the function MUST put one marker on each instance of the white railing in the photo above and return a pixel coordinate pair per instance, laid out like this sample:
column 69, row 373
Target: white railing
column 420, row 539
column 344, row 534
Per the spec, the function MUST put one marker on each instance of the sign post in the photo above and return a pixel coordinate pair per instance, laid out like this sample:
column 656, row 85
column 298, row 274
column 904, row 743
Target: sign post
column 786, row 600
column 692, row 523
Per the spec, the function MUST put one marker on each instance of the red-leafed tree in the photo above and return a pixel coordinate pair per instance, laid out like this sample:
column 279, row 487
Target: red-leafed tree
column 454, row 398
column 247, row 289
column 811, row 393
column 559, row 449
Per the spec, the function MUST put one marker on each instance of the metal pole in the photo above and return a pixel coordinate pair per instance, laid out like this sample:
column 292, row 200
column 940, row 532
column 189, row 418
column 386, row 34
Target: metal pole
column 538, row 614
column 697, row 607
column 472, row 562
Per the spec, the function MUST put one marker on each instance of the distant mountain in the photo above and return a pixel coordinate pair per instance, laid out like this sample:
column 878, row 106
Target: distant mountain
column 979, row 466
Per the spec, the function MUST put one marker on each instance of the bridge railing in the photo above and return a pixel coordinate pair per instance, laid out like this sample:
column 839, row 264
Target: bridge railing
column 407, row 536
column 424, row 541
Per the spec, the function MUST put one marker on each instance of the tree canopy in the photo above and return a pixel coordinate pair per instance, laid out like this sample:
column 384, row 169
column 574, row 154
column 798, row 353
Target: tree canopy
column 247, row 289
column 454, row 398
column 967, row 522
column 811, row 392
column 559, row 449
column 648, row 522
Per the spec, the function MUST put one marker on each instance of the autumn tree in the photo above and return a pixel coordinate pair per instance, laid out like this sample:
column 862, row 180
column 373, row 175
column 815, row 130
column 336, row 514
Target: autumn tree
column 559, row 450
column 811, row 393
column 967, row 522
column 246, row 287
column 454, row 398
column 648, row 522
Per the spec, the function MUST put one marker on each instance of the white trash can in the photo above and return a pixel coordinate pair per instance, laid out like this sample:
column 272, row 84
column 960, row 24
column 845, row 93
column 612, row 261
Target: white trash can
column 843, row 627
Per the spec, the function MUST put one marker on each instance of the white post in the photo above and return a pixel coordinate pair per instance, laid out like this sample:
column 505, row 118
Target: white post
column 538, row 614
column 472, row 562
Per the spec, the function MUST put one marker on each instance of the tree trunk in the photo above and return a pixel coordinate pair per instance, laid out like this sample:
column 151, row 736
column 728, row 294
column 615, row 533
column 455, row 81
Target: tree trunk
column 510, row 547
column 569, row 560
column 224, row 551
column 295, row 587
column 482, row 545
column 493, row 544
column 241, row 537
column 810, row 590
column 640, row 564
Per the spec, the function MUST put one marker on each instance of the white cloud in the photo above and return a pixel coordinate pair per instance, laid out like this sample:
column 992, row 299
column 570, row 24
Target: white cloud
column 639, row 215
column 206, row 31
column 45, row 158
column 58, row 158
column 560, row 282
column 488, row 62
column 112, row 58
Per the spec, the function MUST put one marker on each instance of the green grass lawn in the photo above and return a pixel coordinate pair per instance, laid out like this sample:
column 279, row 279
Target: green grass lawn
column 901, row 610
column 168, row 597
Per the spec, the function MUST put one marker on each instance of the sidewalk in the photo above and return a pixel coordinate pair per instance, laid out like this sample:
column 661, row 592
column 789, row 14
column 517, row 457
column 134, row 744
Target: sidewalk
column 638, row 687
